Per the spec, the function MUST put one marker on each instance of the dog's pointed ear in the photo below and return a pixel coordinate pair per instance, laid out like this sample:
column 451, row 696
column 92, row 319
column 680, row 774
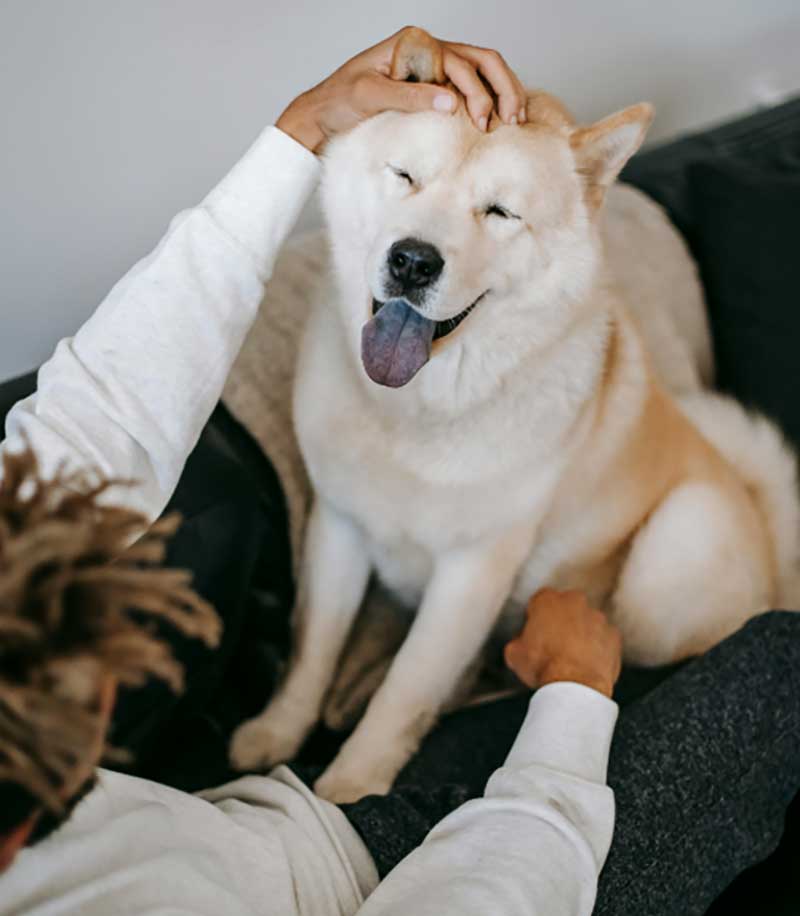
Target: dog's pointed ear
column 417, row 58
column 603, row 148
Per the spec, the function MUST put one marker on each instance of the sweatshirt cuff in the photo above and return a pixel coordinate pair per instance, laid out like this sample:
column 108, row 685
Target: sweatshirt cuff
column 568, row 728
column 259, row 200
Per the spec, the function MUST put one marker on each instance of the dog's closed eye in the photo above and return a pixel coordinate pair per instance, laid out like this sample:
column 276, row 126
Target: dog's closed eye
column 502, row 212
column 400, row 173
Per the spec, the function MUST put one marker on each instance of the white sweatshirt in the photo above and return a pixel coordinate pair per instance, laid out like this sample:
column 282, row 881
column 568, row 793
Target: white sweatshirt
column 129, row 395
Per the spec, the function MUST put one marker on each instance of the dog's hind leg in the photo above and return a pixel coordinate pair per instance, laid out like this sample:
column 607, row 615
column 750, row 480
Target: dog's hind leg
column 332, row 584
column 461, row 604
column 697, row 570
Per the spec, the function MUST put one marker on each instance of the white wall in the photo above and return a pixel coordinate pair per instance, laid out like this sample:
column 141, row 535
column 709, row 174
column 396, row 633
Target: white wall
column 115, row 114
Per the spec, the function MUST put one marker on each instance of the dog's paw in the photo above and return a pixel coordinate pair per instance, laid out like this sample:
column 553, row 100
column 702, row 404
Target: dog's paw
column 262, row 743
column 341, row 787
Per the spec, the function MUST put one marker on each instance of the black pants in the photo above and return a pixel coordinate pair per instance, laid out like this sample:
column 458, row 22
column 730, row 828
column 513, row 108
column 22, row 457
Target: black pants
column 234, row 539
column 703, row 767
column 704, row 762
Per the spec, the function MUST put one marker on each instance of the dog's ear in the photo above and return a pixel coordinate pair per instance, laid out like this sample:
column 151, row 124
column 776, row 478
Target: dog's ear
column 417, row 58
column 603, row 148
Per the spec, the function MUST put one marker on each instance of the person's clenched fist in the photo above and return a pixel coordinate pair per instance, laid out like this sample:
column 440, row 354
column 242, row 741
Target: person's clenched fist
column 566, row 639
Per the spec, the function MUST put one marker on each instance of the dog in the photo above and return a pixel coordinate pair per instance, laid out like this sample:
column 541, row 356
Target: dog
column 509, row 389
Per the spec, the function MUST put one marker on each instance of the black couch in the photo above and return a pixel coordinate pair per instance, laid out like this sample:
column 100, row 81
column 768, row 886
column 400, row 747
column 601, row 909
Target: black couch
column 699, row 180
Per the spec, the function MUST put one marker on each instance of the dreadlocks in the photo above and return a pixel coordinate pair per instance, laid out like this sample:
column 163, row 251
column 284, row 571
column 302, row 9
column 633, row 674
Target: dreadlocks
column 72, row 569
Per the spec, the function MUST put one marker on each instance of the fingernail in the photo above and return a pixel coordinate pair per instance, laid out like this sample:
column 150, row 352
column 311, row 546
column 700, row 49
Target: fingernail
column 513, row 120
column 523, row 116
column 482, row 122
column 444, row 102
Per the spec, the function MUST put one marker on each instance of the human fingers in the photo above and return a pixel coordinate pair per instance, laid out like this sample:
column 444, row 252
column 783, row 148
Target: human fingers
column 463, row 75
column 504, row 82
column 375, row 92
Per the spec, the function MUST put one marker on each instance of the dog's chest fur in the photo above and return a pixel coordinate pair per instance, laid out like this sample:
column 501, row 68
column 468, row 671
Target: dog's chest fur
column 420, row 482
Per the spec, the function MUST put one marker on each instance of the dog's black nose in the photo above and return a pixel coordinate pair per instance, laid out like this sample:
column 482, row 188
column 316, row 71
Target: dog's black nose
column 414, row 263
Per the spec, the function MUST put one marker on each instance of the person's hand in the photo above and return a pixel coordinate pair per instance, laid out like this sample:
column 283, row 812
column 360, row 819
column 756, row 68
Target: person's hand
column 373, row 81
column 566, row 639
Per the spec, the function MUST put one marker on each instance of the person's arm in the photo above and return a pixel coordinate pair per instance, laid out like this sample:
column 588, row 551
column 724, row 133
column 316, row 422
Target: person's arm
column 536, row 841
column 131, row 392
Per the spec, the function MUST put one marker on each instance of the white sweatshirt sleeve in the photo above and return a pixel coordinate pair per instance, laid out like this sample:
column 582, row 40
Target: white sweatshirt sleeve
column 536, row 841
column 130, row 393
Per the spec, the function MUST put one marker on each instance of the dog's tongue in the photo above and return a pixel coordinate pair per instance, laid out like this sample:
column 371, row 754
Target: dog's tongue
column 396, row 344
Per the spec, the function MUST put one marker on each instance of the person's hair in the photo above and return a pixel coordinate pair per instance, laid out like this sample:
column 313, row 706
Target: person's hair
column 80, row 584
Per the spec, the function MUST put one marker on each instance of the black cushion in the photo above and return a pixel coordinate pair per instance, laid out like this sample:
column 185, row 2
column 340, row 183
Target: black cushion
column 747, row 245
column 769, row 138
column 14, row 390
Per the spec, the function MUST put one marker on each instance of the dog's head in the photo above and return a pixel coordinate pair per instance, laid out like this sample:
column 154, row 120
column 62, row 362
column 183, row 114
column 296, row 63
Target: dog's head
column 450, row 243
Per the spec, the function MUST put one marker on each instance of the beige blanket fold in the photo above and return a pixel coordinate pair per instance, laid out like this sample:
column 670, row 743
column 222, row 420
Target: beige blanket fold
column 259, row 389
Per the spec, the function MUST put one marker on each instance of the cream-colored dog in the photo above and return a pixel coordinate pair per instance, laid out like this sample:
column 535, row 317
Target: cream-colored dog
column 506, row 392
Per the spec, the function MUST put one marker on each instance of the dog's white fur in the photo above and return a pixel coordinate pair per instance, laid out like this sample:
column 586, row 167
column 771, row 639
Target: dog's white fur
column 537, row 447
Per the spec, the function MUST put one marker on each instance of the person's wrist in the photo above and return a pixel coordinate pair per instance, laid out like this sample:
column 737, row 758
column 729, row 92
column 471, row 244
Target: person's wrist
column 558, row 671
column 300, row 123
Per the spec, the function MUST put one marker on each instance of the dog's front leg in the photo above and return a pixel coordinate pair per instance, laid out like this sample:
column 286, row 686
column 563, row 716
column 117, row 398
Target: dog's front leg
column 332, row 584
column 459, row 608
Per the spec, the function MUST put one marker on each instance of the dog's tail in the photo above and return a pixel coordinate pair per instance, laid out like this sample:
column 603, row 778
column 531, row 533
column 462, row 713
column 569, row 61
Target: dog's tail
column 757, row 450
